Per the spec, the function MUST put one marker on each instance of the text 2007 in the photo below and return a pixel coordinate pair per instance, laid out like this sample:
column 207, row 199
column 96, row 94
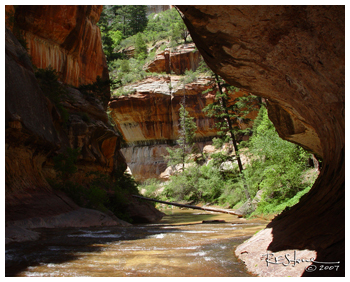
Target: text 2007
column 328, row 267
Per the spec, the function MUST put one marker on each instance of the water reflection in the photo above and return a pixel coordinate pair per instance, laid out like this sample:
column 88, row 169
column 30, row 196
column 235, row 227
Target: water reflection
column 180, row 245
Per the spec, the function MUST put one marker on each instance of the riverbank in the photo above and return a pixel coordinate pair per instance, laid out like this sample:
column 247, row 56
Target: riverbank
column 24, row 230
column 265, row 263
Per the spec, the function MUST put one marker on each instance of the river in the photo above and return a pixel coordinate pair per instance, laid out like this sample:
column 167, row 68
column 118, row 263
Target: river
column 179, row 245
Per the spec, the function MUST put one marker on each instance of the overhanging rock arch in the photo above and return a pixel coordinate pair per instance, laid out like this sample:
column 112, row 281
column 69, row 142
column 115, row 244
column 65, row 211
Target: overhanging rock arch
column 295, row 57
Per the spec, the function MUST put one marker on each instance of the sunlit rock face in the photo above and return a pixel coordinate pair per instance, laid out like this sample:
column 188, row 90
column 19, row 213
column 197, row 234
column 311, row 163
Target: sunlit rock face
column 157, row 9
column 148, row 119
column 295, row 57
column 184, row 58
column 152, row 111
column 65, row 38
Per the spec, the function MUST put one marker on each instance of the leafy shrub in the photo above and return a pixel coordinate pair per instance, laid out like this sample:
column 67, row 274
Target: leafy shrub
column 150, row 186
column 197, row 183
column 65, row 163
column 277, row 166
column 49, row 84
column 101, row 192
column 53, row 89
column 99, row 89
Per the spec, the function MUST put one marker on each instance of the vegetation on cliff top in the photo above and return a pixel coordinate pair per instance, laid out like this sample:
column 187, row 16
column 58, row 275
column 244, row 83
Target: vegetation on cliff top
column 128, row 49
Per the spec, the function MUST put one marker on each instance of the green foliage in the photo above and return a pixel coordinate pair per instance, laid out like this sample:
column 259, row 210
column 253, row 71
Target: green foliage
column 53, row 89
column 99, row 89
column 127, row 71
column 49, row 84
column 140, row 48
column 189, row 77
column 84, row 116
column 276, row 166
column 187, row 131
column 276, row 208
column 164, row 26
column 123, row 26
column 65, row 163
column 197, row 183
column 125, row 66
column 150, row 186
column 230, row 113
column 179, row 32
column 101, row 192
column 118, row 22
column 134, row 19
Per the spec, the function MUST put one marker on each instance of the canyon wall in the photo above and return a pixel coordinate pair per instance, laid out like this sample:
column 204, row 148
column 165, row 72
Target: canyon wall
column 36, row 132
column 38, row 127
column 157, row 9
column 65, row 38
column 295, row 57
column 148, row 119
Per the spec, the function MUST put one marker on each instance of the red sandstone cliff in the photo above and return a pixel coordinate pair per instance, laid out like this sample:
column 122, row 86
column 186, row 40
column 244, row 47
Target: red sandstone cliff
column 149, row 120
column 66, row 38
column 184, row 57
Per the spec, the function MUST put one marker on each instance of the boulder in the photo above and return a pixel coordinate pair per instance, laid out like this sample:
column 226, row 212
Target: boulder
column 143, row 212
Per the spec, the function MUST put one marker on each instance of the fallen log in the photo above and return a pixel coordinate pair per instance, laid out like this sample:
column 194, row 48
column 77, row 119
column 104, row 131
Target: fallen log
column 189, row 206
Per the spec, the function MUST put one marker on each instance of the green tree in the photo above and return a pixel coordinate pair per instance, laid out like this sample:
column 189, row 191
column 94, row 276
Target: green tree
column 125, row 66
column 180, row 31
column 187, row 132
column 118, row 22
column 110, row 27
column 133, row 18
column 140, row 47
column 230, row 115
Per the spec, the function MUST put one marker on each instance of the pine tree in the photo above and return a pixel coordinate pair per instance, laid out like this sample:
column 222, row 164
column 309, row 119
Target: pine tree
column 133, row 19
column 140, row 47
column 230, row 114
column 187, row 132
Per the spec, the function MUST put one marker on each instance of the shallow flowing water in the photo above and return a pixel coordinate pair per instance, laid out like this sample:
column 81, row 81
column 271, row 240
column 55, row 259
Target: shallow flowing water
column 179, row 245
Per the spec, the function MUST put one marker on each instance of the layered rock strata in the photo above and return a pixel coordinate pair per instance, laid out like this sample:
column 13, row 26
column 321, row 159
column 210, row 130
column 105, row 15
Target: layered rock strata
column 183, row 58
column 295, row 57
column 148, row 119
